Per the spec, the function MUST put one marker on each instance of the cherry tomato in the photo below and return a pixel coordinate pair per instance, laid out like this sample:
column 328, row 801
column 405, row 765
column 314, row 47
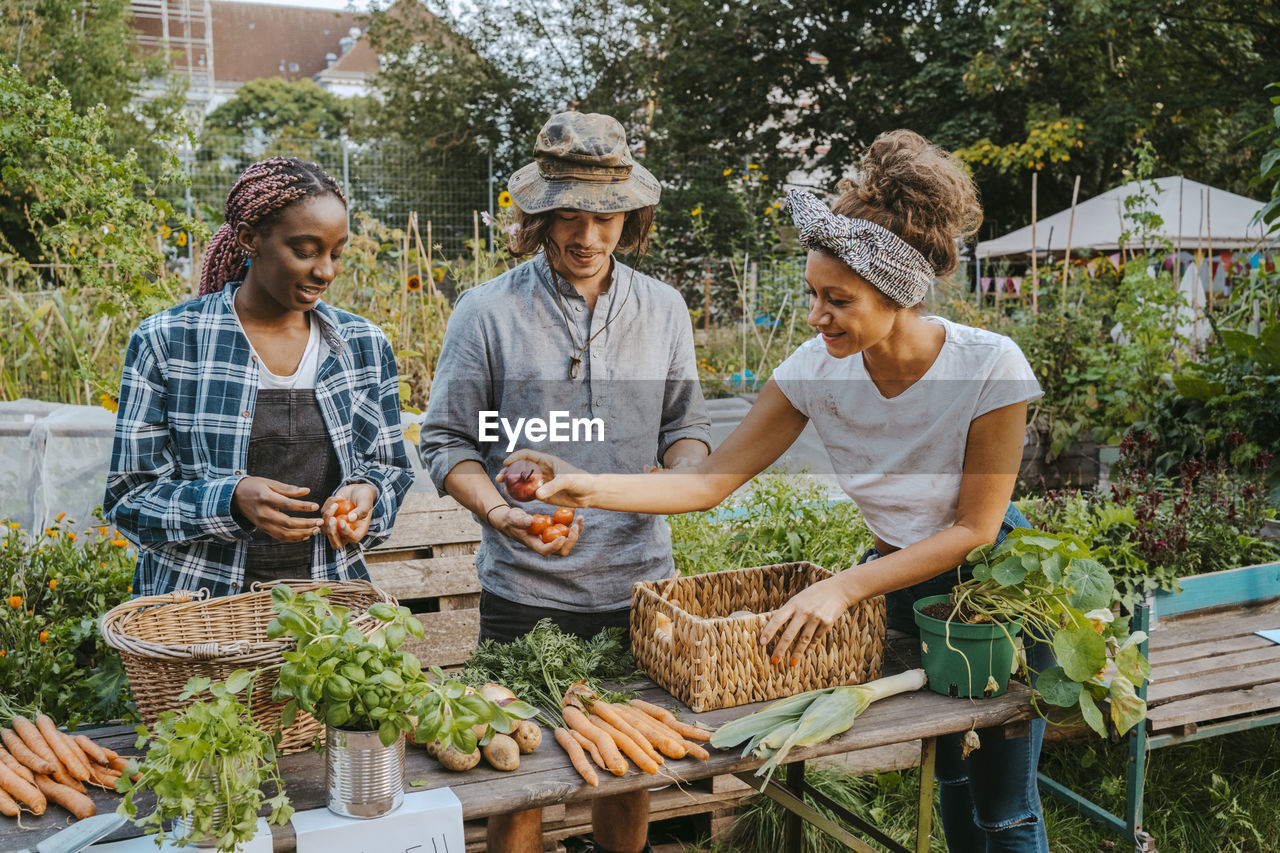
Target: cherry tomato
column 341, row 507
column 563, row 515
column 554, row 532
column 539, row 524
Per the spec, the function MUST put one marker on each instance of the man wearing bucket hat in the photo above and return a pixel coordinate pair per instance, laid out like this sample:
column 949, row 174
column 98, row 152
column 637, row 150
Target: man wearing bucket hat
column 575, row 335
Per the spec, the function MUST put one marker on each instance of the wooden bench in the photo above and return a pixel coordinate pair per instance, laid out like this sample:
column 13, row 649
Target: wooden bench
column 1211, row 675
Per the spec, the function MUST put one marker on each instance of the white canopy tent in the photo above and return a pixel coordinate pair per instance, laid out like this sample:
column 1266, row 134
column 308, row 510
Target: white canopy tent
column 1196, row 217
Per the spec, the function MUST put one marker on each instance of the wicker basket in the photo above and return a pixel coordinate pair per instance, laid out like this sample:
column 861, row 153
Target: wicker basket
column 167, row 639
column 684, row 636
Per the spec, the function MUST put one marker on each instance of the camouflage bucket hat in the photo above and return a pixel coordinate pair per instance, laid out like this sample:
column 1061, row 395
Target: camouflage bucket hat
column 582, row 161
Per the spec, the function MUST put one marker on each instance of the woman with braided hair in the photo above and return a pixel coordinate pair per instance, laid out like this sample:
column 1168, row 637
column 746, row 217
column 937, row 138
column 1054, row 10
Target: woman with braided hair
column 249, row 413
column 924, row 422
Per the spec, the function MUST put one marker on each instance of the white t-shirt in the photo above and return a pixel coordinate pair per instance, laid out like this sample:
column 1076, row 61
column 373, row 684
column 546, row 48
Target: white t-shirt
column 900, row 459
column 305, row 376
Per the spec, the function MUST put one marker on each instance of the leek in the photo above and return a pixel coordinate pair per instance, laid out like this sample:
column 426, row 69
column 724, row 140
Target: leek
column 808, row 719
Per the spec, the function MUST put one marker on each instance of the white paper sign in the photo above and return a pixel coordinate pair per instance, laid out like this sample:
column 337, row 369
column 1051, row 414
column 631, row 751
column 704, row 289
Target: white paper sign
column 427, row 822
column 1272, row 634
column 260, row 843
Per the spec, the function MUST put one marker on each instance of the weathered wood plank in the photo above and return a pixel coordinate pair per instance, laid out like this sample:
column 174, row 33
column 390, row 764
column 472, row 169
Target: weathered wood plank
column 450, row 637
column 469, row 601
column 1209, row 664
column 1208, row 648
column 1215, row 706
column 1215, row 589
column 429, row 578
column 1187, row 630
column 1185, row 688
column 437, row 527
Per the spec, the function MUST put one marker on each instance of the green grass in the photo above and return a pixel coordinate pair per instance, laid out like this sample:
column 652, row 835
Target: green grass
column 1213, row 796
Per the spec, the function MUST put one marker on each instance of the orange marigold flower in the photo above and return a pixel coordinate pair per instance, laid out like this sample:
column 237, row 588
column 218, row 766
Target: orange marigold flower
column 15, row 601
column 53, row 583
column 44, row 636
column 414, row 283
column 2, row 653
column 60, row 516
column 71, row 535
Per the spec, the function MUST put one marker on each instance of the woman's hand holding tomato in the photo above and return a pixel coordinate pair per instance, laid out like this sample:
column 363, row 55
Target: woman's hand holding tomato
column 532, row 530
column 807, row 617
column 346, row 514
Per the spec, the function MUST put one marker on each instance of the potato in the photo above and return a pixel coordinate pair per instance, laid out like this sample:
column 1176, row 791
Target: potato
column 454, row 759
column 502, row 753
column 527, row 735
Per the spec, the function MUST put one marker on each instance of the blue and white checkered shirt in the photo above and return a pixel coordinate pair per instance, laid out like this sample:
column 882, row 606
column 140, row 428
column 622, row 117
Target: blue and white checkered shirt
column 182, row 439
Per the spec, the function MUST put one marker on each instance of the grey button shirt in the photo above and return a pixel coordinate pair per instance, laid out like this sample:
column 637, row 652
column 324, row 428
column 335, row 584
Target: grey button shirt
column 507, row 351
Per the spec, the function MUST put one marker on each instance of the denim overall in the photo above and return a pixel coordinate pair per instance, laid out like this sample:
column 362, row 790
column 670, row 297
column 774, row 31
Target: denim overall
column 289, row 443
column 990, row 801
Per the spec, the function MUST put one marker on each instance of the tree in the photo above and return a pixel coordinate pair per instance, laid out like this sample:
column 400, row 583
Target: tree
column 274, row 107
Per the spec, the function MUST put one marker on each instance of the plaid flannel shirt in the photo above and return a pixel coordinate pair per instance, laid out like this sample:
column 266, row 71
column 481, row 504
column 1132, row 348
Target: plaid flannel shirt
column 187, row 398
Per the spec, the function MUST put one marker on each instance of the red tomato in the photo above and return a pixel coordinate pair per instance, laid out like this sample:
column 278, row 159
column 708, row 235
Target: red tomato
column 563, row 515
column 539, row 524
column 554, row 532
column 341, row 507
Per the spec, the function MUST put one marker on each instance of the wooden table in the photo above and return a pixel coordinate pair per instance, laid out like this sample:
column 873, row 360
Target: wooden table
column 546, row 777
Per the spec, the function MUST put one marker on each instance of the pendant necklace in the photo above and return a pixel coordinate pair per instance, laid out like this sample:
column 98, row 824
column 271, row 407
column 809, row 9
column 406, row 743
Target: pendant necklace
column 575, row 360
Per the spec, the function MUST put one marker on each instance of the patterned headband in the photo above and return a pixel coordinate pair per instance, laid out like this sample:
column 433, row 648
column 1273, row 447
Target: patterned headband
column 877, row 254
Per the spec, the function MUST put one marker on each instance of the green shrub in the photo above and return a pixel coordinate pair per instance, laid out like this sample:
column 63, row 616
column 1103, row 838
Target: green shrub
column 56, row 584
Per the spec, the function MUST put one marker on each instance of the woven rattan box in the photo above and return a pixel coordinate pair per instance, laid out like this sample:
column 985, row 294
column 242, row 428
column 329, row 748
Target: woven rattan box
column 685, row 635
column 167, row 639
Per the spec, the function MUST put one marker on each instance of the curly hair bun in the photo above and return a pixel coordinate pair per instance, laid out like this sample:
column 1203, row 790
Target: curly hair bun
column 918, row 191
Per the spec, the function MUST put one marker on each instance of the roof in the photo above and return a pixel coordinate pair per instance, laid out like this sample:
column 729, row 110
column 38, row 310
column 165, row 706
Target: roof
column 252, row 41
column 1196, row 217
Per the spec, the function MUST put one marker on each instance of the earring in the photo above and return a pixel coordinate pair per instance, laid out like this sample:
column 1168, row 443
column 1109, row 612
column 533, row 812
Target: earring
column 247, row 258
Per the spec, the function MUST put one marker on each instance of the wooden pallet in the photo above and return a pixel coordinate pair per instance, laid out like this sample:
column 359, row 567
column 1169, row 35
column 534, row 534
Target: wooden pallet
column 428, row 564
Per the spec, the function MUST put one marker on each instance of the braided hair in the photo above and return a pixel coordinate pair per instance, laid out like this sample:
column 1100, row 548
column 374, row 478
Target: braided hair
column 258, row 197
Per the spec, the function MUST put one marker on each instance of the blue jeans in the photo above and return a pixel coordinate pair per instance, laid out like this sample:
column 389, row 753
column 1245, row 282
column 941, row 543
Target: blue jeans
column 990, row 800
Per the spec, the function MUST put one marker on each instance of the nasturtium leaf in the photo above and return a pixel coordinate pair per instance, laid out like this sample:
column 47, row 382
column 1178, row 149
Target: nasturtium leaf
column 1052, row 565
column 1127, row 710
column 1009, row 572
column 1080, row 651
column 1092, row 716
column 1057, row 689
column 1132, row 665
column 982, row 572
column 1090, row 584
column 1040, row 540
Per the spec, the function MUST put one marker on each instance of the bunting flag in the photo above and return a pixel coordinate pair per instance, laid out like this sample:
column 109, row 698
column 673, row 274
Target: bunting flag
column 987, row 284
column 1115, row 260
column 1014, row 286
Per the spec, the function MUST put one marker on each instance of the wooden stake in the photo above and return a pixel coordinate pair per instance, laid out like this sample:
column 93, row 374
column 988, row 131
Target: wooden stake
column 475, row 216
column 1208, row 227
column 1035, row 249
column 1066, row 259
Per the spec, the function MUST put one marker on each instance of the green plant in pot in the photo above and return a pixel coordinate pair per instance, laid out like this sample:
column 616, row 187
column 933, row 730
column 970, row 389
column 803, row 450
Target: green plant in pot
column 1047, row 584
column 207, row 765
column 369, row 693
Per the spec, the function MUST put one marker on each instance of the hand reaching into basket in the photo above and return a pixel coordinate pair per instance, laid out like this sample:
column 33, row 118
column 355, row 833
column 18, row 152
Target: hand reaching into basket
column 807, row 617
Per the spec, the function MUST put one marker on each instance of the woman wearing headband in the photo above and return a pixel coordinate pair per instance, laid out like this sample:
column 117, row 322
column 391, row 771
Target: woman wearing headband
column 924, row 421
column 248, row 413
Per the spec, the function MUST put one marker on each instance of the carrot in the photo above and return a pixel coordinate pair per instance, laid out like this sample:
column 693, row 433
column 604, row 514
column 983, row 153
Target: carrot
column 16, row 766
column 70, row 799
column 610, row 715
column 629, row 748
column 22, row 790
column 60, row 776
column 613, row 760
column 118, row 763
column 663, row 739
column 110, row 753
column 96, row 753
column 696, row 750
column 18, row 747
column 577, row 757
column 7, row 805
column 590, row 748
column 69, row 755
column 656, row 711
column 103, row 778
column 32, row 738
